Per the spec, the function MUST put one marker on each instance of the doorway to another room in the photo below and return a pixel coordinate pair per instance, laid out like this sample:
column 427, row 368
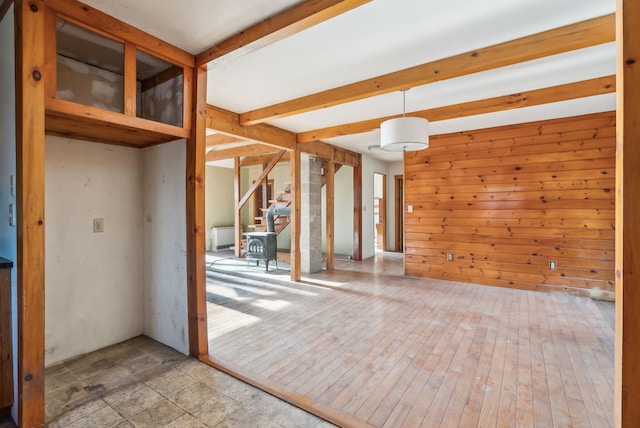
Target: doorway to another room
column 380, row 211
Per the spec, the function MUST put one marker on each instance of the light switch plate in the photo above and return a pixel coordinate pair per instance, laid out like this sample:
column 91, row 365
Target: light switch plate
column 98, row 225
column 12, row 185
column 409, row 208
column 12, row 215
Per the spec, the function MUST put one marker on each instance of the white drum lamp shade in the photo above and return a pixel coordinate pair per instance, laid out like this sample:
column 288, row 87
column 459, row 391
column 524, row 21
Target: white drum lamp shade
column 404, row 134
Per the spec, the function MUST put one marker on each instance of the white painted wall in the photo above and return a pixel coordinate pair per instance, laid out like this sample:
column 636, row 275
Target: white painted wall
column 8, row 238
column 219, row 200
column 370, row 166
column 93, row 292
column 343, row 212
column 165, row 247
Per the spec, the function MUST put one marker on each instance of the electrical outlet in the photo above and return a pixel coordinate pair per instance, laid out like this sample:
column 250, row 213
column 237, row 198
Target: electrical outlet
column 98, row 225
column 409, row 208
column 450, row 257
column 553, row 265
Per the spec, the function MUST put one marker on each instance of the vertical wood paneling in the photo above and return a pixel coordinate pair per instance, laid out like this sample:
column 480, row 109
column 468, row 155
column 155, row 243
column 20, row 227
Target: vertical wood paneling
column 30, row 126
column 507, row 201
column 627, row 371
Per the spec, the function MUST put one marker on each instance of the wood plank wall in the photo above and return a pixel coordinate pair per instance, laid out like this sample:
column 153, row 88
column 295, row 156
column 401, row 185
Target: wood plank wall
column 507, row 201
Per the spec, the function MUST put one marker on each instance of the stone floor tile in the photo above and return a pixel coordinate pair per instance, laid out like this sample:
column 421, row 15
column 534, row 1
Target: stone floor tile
column 58, row 377
column 192, row 396
column 103, row 418
column 215, row 409
column 170, row 385
column 89, row 408
column 195, row 368
column 186, row 421
column 243, row 418
column 133, row 399
column 112, row 379
column 64, row 400
column 89, row 365
column 160, row 415
column 142, row 363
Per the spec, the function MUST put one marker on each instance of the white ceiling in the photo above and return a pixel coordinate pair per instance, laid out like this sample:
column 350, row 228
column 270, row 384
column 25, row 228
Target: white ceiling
column 374, row 39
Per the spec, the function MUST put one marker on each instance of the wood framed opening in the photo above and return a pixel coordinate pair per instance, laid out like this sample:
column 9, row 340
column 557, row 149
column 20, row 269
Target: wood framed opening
column 399, row 210
column 380, row 211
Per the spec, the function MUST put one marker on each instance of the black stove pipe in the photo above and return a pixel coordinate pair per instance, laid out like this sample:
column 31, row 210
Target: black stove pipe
column 272, row 212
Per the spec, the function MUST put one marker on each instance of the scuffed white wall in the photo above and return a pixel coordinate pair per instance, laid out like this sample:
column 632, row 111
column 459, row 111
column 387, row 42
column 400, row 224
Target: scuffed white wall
column 165, row 245
column 8, row 237
column 163, row 103
column 89, row 85
column 219, row 202
column 93, row 292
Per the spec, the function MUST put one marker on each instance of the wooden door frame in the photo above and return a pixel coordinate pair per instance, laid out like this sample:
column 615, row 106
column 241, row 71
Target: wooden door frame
column 627, row 347
column 382, row 209
column 399, row 211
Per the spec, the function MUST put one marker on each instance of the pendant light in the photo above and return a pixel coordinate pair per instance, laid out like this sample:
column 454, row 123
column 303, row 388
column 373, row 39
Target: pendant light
column 404, row 134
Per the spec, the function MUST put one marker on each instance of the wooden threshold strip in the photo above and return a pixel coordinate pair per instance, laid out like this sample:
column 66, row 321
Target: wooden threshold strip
column 305, row 403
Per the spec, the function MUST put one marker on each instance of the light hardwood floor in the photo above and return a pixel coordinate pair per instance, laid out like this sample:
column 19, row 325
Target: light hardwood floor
column 395, row 351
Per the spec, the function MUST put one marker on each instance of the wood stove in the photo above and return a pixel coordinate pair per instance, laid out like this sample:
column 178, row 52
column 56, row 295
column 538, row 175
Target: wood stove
column 262, row 246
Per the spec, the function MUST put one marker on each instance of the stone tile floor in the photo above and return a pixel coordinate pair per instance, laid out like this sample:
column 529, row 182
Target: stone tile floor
column 142, row 383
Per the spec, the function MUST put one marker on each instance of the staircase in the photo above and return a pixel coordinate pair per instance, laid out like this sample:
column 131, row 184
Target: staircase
column 282, row 200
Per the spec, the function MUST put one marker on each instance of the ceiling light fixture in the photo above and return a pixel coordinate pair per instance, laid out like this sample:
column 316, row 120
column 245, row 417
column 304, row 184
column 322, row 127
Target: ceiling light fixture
column 404, row 134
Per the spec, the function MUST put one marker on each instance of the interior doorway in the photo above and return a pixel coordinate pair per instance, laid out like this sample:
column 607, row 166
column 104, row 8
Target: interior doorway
column 380, row 210
column 399, row 211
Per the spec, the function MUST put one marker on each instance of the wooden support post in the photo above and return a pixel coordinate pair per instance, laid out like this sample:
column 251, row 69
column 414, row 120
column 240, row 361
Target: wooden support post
column 296, row 266
column 329, row 212
column 30, row 127
column 130, row 82
column 357, row 212
column 237, row 223
column 627, row 371
column 195, row 178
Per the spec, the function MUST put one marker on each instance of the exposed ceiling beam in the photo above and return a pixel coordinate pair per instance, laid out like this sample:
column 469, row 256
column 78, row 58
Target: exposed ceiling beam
column 571, row 37
column 236, row 152
column 214, row 140
column 331, row 153
column 262, row 159
column 226, row 122
column 4, row 7
column 585, row 88
column 289, row 22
